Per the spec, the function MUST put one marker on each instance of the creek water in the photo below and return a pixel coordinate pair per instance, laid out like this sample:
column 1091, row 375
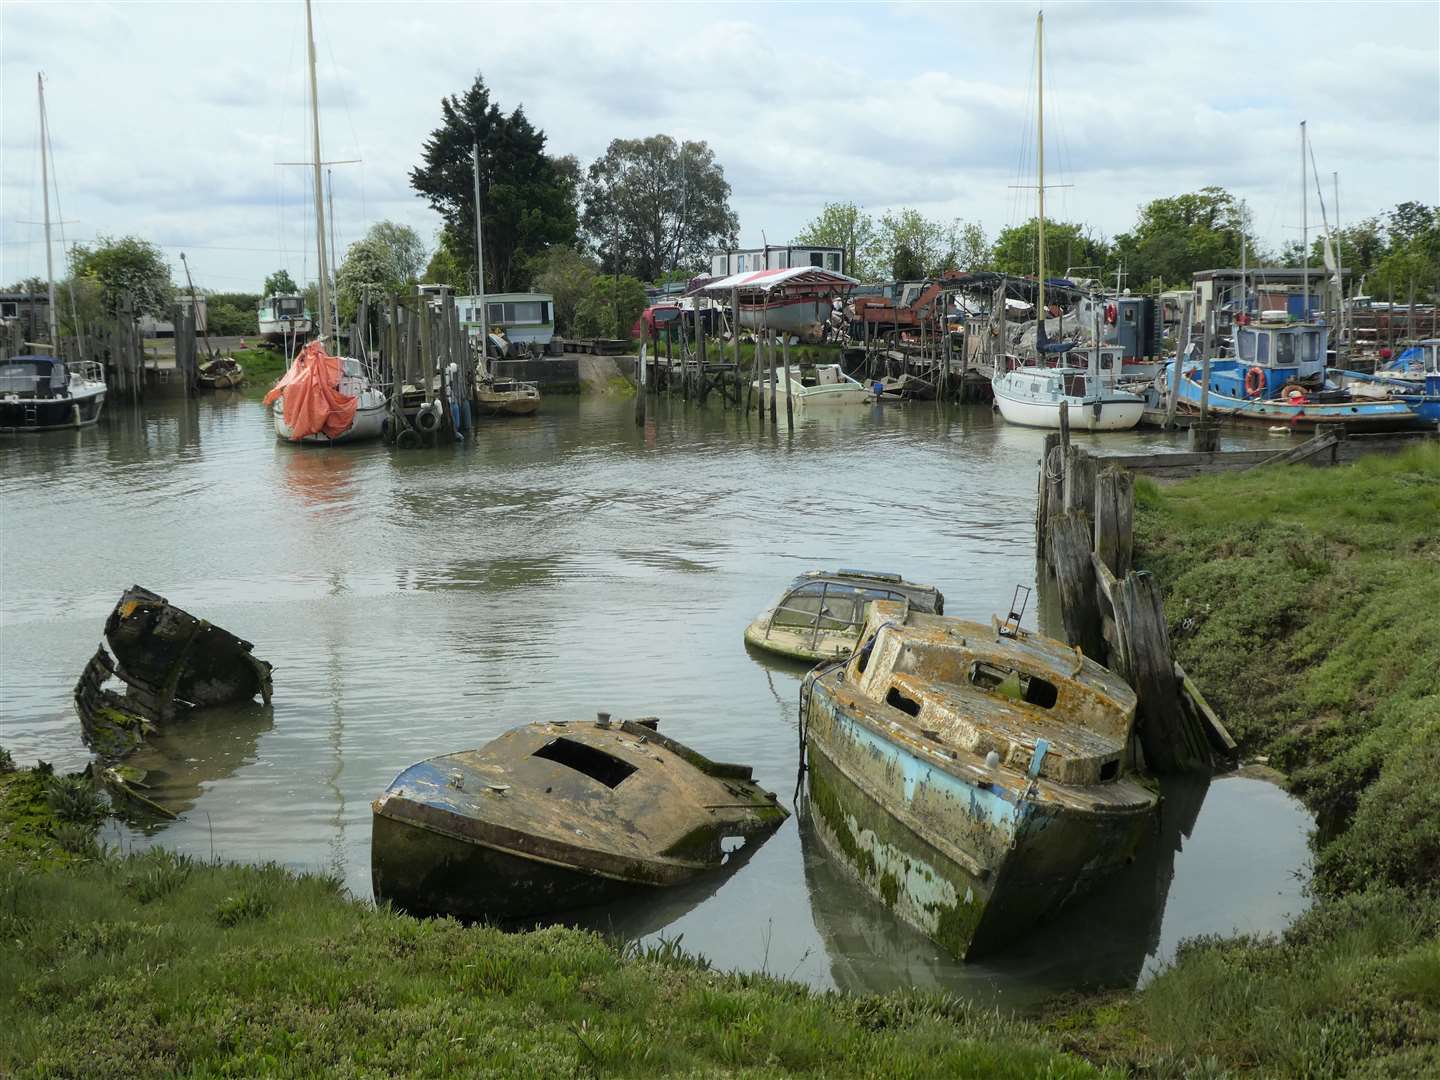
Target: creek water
column 416, row 603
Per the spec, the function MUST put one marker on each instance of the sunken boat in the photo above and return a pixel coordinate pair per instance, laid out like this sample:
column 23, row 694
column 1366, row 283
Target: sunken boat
column 170, row 663
column 822, row 612
column 551, row 817
column 972, row 778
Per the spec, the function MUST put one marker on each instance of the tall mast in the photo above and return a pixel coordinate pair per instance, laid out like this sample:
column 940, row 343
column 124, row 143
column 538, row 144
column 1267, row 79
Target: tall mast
column 1339, row 270
column 1040, row 154
column 45, row 184
column 325, row 325
column 480, row 254
column 1304, row 227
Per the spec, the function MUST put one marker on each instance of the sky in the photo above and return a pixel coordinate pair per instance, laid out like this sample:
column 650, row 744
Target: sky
column 168, row 120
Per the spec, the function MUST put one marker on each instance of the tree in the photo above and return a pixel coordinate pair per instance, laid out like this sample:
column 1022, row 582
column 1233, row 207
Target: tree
column 403, row 248
column 611, row 308
column 528, row 198
column 914, row 246
column 1177, row 236
column 569, row 277
column 388, row 259
column 1066, row 244
column 231, row 314
column 445, row 267
column 657, row 205
column 280, row 283
column 848, row 226
column 125, row 267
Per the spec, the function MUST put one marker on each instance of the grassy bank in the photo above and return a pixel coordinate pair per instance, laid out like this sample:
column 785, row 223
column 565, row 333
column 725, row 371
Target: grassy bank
column 262, row 368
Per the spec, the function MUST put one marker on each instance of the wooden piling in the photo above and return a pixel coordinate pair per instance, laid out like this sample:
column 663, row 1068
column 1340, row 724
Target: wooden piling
column 1070, row 534
column 1080, row 470
column 789, row 397
column 1114, row 519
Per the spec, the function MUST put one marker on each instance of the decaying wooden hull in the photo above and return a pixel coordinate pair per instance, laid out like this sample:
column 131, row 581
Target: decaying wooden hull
column 170, row 662
column 970, row 851
column 552, row 817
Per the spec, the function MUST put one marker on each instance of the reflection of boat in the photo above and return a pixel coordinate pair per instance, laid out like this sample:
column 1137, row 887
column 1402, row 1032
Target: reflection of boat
column 170, row 663
column 43, row 393
column 1101, row 941
column 821, row 614
column 549, row 817
column 971, row 777
column 823, row 384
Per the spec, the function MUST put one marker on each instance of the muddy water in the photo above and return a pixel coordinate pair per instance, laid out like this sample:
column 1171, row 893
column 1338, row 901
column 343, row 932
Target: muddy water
column 422, row 602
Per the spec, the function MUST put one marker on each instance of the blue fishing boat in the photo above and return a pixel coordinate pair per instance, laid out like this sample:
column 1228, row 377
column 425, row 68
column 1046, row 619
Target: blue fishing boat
column 1277, row 376
column 1415, row 380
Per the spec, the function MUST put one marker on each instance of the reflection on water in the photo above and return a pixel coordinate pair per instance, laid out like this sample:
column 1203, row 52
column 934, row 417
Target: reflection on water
column 423, row 602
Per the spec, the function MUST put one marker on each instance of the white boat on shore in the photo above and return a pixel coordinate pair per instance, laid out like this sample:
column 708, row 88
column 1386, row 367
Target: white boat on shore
column 823, row 384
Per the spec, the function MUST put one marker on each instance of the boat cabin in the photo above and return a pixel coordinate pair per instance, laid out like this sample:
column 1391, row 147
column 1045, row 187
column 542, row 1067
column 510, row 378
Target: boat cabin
column 34, row 377
column 821, row 613
column 1052, row 384
column 820, row 375
column 1282, row 352
column 283, row 308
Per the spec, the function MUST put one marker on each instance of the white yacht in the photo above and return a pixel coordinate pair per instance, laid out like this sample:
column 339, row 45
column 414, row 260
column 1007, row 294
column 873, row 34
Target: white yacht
column 1031, row 397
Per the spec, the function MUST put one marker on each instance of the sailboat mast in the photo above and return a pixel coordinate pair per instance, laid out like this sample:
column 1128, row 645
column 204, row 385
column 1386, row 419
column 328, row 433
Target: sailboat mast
column 1339, row 270
column 45, row 184
column 1040, row 151
column 1304, row 227
column 480, row 254
column 325, row 324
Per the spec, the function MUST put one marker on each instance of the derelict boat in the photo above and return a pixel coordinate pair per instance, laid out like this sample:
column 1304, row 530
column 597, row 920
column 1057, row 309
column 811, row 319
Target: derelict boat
column 823, row 384
column 822, row 612
column 555, row 816
column 972, row 778
column 506, row 397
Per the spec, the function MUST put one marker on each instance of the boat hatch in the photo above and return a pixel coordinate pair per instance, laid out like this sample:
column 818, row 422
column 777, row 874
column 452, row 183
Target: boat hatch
column 594, row 763
column 1013, row 683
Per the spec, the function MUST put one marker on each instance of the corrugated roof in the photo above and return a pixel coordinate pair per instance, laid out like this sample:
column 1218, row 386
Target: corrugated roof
column 790, row 279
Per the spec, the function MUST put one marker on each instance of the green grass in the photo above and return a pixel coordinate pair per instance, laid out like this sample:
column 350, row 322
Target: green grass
column 262, row 368
column 154, row 965
column 1306, row 602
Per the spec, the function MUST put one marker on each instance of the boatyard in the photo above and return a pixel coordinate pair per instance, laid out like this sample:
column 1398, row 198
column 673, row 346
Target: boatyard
column 473, row 608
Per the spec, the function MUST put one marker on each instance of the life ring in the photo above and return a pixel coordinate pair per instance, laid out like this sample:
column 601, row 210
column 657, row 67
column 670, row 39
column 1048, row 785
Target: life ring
column 1112, row 313
column 1254, row 381
column 1294, row 394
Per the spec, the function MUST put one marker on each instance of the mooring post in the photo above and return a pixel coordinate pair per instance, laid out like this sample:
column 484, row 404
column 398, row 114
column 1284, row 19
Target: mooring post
column 735, row 338
column 789, row 398
column 1075, row 576
column 1080, row 470
column 1114, row 518
column 1172, row 742
column 1181, row 354
column 1204, row 437
column 640, row 400
column 774, row 382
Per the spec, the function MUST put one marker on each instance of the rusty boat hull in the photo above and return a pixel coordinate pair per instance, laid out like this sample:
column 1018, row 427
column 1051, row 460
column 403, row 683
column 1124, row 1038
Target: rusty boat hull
column 554, row 817
column 968, row 851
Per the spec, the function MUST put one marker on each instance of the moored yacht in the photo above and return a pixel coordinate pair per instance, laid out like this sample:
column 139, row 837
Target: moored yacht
column 44, row 393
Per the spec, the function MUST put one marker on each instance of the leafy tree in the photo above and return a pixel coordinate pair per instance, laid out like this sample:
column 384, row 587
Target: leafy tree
column 388, row 259
column 915, row 246
column 1177, row 236
column 128, row 266
column 847, row 225
column 231, row 314
column 1066, row 244
column 403, row 247
column 280, row 283
column 611, row 307
column 528, row 197
column 569, row 277
column 447, row 268
column 657, row 204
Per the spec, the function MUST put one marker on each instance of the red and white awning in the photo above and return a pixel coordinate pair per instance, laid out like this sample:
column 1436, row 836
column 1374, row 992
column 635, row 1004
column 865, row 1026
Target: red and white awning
column 808, row 280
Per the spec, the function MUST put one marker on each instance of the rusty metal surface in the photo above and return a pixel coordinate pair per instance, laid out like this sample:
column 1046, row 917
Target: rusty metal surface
column 967, row 850
column 629, row 807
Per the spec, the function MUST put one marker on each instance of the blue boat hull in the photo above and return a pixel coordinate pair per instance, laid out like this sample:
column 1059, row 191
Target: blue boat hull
column 1226, row 398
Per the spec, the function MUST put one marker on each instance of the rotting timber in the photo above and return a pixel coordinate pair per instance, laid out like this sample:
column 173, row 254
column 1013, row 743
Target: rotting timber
column 972, row 778
column 170, row 662
column 550, row 817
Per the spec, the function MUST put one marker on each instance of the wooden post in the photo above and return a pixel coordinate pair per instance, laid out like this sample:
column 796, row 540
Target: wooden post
column 1114, row 519
column 1172, row 743
column 789, row 398
column 640, row 400
column 1181, row 351
column 1075, row 576
column 774, row 383
column 1080, row 470
column 1043, row 511
column 735, row 338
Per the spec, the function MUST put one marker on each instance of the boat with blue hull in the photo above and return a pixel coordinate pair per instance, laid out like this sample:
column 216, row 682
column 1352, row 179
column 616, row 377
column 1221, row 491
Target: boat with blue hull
column 1277, row 377
column 972, row 778
column 1420, row 391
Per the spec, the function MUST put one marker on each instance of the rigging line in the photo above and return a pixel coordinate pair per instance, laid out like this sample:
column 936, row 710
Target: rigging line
column 60, row 214
column 349, row 119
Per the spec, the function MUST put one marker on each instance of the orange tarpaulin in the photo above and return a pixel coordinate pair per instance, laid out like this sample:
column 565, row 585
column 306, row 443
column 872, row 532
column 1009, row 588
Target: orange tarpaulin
column 312, row 399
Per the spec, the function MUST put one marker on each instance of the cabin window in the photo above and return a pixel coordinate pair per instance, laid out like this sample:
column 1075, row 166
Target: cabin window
column 594, row 763
column 1285, row 349
column 1312, row 346
column 840, row 611
column 1014, row 684
column 801, row 607
column 895, row 699
column 1262, row 347
column 1246, row 344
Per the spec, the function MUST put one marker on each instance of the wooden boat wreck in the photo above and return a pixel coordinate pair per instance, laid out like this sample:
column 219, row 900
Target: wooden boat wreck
column 170, row 662
column 554, row 816
column 506, row 397
column 221, row 373
column 822, row 612
column 972, row 778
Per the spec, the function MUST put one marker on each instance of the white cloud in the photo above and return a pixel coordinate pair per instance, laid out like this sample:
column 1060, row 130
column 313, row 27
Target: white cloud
column 168, row 119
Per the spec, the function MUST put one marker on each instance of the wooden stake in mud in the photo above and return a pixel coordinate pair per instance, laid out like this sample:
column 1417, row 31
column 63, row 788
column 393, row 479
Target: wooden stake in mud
column 774, row 383
column 1114, row 519
column 640, row 401
column 735, row 338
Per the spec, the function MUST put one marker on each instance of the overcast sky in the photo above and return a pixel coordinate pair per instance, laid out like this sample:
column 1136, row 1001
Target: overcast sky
column 167, row 119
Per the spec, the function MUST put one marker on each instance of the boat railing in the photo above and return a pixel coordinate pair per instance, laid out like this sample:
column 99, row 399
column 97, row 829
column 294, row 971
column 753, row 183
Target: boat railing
column 89, row 370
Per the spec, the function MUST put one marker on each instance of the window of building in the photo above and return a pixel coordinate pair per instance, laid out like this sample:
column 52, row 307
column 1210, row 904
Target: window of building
column 832, row 261
column 817, row 259
column 739, row 264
